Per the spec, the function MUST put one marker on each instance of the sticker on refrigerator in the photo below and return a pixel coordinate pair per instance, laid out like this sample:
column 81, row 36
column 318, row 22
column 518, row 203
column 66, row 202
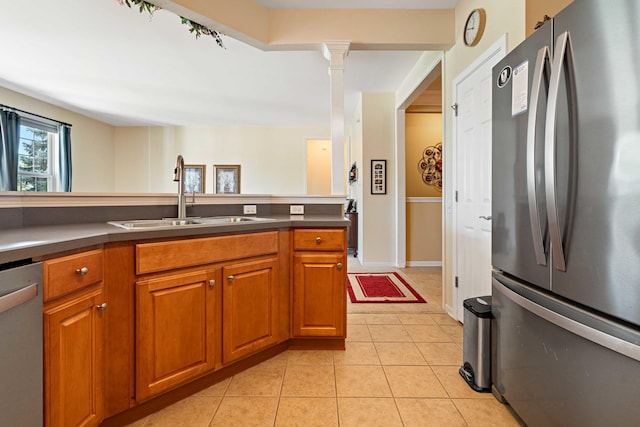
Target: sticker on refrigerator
column 519, row 89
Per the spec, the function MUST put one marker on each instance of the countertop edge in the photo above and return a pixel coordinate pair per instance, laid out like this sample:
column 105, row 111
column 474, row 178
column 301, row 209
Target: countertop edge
column 34, row 242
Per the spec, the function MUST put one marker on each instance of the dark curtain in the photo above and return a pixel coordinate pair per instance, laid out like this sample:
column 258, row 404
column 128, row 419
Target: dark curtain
column 10, row 132
column 64, row 160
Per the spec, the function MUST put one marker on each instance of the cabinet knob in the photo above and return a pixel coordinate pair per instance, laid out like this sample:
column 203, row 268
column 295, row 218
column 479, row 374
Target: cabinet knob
column 212, row 283
column 318, row 240
column 102, row 307
column 82, row 271
column 339, row 265
column 230, row 279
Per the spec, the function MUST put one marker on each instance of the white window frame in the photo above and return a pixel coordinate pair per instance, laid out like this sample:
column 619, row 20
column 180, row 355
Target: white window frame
column 53, row 177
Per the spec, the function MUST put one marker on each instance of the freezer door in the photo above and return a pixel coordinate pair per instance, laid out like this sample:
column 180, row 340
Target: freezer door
column 557, row 365
column 519, row 235
column 597, row 164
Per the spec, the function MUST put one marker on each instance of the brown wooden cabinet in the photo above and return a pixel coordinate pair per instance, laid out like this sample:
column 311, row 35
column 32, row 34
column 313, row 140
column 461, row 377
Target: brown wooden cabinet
column 319, row 280
column 191, row 319
column 182, row 312
column 175, row 329
column 250, row 307
column 74, row 340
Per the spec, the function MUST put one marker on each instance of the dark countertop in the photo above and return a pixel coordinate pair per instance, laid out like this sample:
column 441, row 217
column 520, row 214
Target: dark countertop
column 31, row 242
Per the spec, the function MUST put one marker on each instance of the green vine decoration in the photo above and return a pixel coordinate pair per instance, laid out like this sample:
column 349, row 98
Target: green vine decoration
column 194, row 27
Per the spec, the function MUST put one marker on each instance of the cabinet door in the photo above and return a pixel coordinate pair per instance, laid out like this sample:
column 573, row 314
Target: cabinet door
column 250, row 307
column 74, row 362
column 175, row 330
column 319, row 295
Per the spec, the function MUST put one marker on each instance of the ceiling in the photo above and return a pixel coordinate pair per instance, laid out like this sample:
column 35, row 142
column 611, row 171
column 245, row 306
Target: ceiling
column 114, row 64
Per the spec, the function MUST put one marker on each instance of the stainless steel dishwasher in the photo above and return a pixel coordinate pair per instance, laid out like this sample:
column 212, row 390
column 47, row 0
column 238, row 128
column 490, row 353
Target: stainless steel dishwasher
column 21, row 398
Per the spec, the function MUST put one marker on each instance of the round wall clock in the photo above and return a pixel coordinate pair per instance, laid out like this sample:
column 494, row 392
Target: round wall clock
column 474, row 27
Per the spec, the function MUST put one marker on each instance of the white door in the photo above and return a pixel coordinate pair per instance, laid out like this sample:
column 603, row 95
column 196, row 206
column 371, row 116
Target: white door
column 472, row 158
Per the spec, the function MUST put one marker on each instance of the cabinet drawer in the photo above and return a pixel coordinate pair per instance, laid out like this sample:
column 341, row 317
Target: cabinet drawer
column 70, row 273
column 162, row 256
column 319, row 240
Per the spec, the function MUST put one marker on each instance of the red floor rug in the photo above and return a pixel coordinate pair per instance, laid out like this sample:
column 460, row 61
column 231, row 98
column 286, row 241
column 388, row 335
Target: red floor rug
column 381, row 287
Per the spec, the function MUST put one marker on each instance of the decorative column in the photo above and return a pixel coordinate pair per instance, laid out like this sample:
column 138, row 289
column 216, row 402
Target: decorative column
column 336, row 52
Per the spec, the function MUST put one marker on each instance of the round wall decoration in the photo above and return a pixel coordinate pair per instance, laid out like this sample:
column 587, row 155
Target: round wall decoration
column 430, row 166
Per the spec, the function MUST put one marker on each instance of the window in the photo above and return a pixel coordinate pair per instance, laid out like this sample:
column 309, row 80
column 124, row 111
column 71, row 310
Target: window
column 36, row 150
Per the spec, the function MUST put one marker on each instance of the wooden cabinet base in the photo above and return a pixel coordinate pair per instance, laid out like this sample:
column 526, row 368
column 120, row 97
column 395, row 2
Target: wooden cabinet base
column 317, row 344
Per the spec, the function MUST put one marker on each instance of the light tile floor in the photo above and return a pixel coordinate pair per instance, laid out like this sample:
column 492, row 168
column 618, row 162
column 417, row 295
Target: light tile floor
column 400, row 368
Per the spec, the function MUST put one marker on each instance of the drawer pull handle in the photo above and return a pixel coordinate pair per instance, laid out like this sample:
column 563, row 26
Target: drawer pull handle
column 212, row 283
column 339, row 265
column 82, row 271
column 102, row 307
column 230, row 279
column 318, row 240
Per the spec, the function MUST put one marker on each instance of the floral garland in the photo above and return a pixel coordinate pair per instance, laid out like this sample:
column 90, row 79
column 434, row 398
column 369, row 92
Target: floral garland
column 194, row 27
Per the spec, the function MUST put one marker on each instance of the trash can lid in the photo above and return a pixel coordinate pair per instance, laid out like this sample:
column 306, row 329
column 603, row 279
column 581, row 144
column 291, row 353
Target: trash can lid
column 479, row 306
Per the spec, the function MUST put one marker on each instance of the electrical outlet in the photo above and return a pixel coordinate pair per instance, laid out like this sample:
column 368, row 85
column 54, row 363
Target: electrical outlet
column 296, row 209
column 249, row 209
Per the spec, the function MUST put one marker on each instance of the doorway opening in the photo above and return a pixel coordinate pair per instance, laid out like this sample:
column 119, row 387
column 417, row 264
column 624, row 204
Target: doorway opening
column 424, row 176
column 319, row 166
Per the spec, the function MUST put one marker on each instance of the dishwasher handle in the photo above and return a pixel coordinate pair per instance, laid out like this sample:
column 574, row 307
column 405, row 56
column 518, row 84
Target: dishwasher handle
column 16, row 298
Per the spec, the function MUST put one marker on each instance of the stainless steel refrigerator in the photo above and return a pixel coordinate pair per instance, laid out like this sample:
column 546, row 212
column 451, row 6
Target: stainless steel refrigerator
column 566, row 219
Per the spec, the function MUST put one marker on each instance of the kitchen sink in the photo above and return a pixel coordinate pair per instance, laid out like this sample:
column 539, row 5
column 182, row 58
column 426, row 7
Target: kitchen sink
column 145, row 224
column 228, row 219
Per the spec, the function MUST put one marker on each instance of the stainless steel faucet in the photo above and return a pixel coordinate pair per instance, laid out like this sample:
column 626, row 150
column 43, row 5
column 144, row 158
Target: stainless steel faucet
column 178, row 176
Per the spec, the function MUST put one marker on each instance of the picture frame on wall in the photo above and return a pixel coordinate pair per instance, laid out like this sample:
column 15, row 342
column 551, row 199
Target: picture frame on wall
column 226, row 179
column 194, row 179
column 378, row 177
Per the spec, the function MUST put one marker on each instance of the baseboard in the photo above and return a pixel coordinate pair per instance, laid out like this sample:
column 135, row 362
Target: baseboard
column 449, row 311
column 378, row 264
column 424, row 263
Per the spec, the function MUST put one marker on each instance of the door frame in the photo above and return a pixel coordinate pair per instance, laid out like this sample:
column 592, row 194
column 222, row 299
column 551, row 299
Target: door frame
column 499, row 48
column 401, row 191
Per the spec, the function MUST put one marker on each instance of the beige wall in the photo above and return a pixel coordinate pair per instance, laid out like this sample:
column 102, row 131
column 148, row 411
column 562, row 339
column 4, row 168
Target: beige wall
column 421, row 130
column 272, row 159
column 296, row 29
column 503, row 16
column 424, row 232
column 537, row 9
column 377, row 212
column 110, row 159
column 92, row 152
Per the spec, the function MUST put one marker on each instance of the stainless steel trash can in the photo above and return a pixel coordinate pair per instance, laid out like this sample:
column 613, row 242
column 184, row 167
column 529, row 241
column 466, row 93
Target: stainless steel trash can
column 476, row 345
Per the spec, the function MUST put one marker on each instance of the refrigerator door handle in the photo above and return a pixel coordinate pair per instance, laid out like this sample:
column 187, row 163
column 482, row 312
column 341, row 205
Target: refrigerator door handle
column 541, row 70
column 562, row 54
column 609, row 341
